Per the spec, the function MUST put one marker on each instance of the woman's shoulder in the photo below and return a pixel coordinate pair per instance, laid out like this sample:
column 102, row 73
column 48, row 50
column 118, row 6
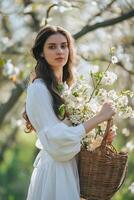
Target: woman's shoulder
column 37, row 83
column 36, row 86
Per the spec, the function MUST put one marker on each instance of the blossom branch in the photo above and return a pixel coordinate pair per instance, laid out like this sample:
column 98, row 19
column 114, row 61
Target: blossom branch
column 120, row 64
column 98, row 83
column 101, row 11
column 87, row 28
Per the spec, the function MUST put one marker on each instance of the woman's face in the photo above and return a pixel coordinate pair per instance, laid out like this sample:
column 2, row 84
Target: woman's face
column 56, row 50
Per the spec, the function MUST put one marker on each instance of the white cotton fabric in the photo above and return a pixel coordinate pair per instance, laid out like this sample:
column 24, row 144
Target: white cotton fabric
column 55, row 175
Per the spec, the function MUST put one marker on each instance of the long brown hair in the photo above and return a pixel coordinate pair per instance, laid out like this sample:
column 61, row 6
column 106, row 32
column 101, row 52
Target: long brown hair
column 45, row 72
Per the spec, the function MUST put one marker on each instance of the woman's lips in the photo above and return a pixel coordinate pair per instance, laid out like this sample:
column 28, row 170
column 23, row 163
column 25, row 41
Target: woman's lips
column 59, row 59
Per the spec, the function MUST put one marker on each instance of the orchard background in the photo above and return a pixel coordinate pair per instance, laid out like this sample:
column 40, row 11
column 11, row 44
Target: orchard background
column 96, row 26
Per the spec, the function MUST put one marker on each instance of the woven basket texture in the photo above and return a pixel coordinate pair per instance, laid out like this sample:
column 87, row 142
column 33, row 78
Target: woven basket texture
column 102, row 171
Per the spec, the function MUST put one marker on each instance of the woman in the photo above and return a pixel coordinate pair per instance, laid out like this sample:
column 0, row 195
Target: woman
column 55, row 175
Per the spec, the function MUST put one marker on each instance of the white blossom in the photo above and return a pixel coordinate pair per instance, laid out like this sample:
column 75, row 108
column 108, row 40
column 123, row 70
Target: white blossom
column 122, row 101
column 109, row 78
column 102, row 95
column 132, row 114
column 126, row 113
column 112, row 95
column 9, row 69
column 19, row 122
column 131, row 187
column 114, row 59
column 94, row 105
column 125, row 132
column 81, row 107
column 94, row 69
column 130, row 146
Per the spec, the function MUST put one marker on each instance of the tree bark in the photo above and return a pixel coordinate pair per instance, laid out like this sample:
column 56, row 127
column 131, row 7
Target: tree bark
column 15, row 94
column 86, row 29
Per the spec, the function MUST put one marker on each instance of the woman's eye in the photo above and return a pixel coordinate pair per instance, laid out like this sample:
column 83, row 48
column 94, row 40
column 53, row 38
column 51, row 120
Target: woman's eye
column 64, row 46
column 52, row 47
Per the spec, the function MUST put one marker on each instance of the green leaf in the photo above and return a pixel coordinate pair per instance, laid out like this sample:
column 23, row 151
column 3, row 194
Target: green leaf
column 127, row 92
column 98, row 131
column 60, row 87
column 96, row 92
column 81, row 77
column 75, row 94
column 2, row 62
column 97, row 76
column 112, row 51
column 62, row 110
column 90, row 73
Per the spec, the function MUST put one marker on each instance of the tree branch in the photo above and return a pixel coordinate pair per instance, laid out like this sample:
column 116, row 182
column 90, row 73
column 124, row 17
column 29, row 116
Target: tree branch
column 8, row 143
column 48, row 12
column 35, row 24
column 86, row 29
column 16, row 93
column 120, row 64
column 101, row 11
column 5, row 108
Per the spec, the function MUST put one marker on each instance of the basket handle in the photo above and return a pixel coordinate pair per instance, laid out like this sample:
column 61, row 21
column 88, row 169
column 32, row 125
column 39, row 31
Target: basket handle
column 109, row 124
column 122, row 181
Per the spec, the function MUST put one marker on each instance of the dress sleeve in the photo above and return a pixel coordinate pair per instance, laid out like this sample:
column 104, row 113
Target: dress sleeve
column 61, row 141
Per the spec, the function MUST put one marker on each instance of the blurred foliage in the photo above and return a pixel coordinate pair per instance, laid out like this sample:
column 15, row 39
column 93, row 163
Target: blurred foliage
column 15, row 169
column 19, row 22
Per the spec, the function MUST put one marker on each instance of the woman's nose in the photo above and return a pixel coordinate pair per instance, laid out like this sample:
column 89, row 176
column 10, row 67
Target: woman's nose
column 59, row 50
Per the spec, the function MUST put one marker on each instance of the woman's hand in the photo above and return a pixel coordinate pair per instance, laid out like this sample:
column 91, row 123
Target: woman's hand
column 110, row 137
column 107, row 111
column 105, row 114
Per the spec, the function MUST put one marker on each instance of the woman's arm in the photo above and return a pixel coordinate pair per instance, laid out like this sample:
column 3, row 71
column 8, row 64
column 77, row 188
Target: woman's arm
column 105, row 114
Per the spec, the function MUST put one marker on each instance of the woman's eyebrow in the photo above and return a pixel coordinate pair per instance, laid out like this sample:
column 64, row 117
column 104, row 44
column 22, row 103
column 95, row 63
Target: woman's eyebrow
column 52, row 43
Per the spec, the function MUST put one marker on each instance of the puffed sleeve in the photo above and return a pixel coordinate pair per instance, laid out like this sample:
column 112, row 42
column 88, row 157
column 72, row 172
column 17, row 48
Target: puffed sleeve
column 61, row 141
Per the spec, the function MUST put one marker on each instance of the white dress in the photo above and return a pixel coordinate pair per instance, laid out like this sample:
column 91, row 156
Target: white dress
column 55, row 175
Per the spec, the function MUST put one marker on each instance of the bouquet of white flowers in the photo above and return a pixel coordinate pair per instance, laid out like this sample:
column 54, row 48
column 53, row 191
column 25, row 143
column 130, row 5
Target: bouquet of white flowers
column 82, row 102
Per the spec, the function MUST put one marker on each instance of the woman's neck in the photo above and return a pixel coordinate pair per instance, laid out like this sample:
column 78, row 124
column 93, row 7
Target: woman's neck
column 59, row 75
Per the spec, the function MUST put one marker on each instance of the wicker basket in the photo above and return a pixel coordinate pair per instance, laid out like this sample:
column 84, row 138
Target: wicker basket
column 101, row 172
